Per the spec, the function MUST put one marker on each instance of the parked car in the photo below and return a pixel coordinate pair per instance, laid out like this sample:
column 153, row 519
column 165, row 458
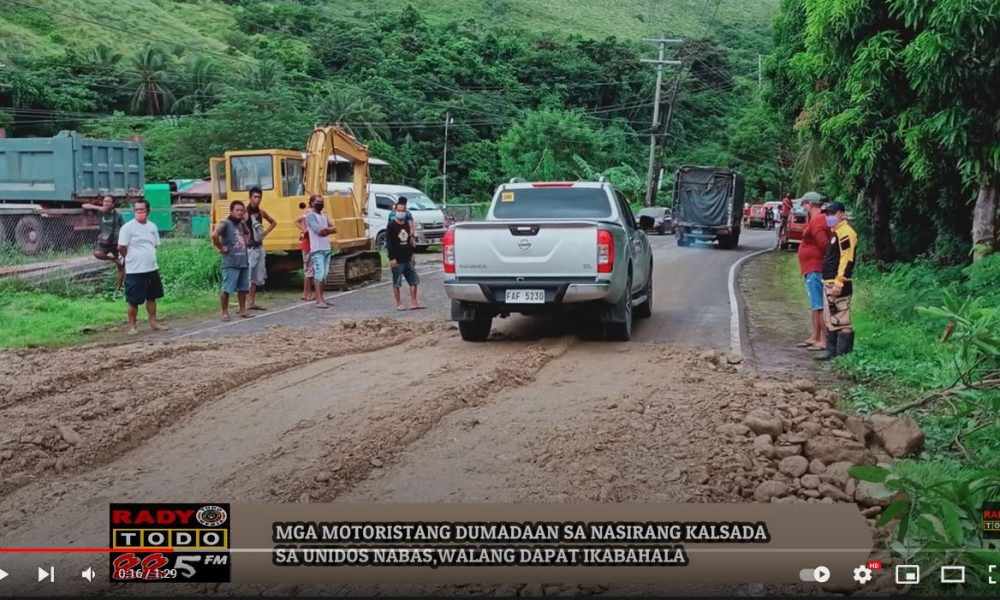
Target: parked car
column 550, row 248
column 656, row 218
column 796, row 226
column 428, row 219
column 759, row 217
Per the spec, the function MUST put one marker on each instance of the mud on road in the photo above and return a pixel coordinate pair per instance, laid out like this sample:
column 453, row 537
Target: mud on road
column 371, row 411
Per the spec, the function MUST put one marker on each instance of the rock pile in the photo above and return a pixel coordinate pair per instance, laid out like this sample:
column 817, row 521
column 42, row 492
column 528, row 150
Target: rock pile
column 802, row 447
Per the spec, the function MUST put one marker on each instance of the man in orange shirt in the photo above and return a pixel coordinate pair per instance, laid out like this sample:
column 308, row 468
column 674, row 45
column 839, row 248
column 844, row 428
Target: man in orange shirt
column 815, row 239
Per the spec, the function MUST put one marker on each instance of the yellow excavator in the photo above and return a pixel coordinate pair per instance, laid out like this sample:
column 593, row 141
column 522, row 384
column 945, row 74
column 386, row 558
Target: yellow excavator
column 287, row 180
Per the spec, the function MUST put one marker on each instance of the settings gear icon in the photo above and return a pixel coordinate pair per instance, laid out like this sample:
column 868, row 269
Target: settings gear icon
column 862, row 574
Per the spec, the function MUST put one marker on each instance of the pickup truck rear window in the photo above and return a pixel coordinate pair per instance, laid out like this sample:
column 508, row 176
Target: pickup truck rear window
column 553, row 203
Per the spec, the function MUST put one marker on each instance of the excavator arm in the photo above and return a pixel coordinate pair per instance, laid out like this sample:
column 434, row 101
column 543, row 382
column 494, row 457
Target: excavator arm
column 326, row 142
column 356, row 261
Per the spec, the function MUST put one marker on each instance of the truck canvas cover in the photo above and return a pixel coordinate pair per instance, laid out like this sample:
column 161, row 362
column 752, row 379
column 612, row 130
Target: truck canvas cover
column 704, row 194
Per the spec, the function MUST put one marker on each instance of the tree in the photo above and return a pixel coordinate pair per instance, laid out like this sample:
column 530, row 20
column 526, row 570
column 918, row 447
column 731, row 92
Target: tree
column 202, row 86
column 953, row 65
column 150, row 76
column 544, row 143
column 349, row 107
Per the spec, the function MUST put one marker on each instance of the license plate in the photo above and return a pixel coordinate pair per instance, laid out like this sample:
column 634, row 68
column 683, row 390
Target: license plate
column 525, row 297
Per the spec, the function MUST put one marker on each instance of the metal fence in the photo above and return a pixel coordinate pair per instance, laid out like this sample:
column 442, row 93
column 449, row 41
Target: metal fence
column 37, row 248
column 467, row 212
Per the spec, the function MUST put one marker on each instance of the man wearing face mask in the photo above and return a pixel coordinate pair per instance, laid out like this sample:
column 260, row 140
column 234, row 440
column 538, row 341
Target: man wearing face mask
column 838, row 269
column 320, row 230
column 399, row 243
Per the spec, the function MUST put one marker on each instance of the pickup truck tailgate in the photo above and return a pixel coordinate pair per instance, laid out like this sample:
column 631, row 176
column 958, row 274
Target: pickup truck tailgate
column 505, row 249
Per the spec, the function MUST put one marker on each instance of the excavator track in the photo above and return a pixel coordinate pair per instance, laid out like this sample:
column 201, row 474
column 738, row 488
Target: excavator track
column 353, row 269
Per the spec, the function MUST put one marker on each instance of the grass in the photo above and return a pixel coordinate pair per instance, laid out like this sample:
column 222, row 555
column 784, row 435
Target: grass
column 11, row 255
column 63, row 23
column 209, row 24
column 67, row 313
column 899, row 357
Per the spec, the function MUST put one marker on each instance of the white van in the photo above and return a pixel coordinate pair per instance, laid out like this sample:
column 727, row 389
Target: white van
column 428, row 219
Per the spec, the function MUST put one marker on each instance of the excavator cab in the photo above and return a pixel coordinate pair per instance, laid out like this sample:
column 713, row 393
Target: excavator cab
column 287, row 179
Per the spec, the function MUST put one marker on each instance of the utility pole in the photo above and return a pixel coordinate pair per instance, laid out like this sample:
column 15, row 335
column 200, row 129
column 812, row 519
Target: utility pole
column 444, row 163
column 659, row 62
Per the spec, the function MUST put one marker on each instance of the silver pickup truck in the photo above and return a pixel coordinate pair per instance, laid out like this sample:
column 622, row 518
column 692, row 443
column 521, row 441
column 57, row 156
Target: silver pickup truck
column 547, row 248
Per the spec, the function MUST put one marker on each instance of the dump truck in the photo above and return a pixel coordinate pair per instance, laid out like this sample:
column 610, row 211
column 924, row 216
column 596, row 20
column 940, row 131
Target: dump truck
column 287, row 180
column 44, row 182
column 708, row 205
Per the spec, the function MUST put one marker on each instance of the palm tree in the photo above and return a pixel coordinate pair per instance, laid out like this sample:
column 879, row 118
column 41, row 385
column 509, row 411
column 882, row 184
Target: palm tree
column 348, row 107
column 104, row 56
column 150, row 76
column 265, row 76
column 810, row 163
column 204, row 83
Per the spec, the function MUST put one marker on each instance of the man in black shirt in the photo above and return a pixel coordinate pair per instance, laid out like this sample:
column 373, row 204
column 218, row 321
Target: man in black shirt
column 399, row 244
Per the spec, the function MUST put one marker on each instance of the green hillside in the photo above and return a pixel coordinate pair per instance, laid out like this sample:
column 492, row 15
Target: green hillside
column 536, row 88
column 211, row 24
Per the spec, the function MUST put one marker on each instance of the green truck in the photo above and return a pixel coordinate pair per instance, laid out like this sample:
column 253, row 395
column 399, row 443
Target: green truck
column 44, row 182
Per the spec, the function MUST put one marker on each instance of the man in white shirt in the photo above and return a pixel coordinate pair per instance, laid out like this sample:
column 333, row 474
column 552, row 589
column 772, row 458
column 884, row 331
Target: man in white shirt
column 137, row 242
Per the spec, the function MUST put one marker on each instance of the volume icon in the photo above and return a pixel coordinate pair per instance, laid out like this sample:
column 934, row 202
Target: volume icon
column 88, row 574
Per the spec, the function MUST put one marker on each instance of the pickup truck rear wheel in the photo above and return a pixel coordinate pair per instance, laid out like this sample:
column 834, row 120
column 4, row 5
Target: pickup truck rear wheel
column 477, row 330
column 645, row 310
column 620, row 331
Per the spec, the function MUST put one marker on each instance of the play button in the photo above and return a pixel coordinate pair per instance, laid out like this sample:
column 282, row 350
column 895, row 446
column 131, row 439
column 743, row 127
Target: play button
column 3, row 574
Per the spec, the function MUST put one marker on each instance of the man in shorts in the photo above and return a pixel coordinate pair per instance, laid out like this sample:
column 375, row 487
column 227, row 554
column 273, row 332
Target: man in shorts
column 308, row 293
column 137, row 242
column 230, row 238
column 812, row 249
column 107, row 238
column 399, row 243
column 838, row 287
column 256, row 217
column 320, row 229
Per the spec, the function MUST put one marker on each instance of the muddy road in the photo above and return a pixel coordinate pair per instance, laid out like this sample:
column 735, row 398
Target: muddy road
column 377, row 410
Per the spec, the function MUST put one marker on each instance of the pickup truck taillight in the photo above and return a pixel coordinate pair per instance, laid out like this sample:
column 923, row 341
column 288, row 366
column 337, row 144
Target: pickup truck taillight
column 605, row 251
column 448, row 251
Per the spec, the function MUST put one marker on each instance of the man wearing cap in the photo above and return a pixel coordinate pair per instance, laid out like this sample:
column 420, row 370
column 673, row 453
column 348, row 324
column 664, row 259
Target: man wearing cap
column 812, row 249
column 838, row 269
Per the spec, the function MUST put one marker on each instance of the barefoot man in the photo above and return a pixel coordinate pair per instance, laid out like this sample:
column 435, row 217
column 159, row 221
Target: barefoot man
column 137, row 242
column 107, row 238
column 230, row 238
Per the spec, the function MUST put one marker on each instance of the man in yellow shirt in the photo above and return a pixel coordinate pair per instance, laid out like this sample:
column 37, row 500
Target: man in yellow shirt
column 838, row 287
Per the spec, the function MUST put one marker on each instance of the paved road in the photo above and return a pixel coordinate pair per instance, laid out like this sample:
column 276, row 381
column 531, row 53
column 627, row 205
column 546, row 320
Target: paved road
column 690, row 307
column 339, row 414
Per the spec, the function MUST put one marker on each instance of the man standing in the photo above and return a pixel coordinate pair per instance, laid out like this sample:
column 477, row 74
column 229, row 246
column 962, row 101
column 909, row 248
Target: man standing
column 308, row 292
column 320, row 230
column 815, row 239
column 838, row 270
column 107, row 237
column 255, row 245
column 137, row 242
column 230, row 238
column 785, row 213
column 399, row 243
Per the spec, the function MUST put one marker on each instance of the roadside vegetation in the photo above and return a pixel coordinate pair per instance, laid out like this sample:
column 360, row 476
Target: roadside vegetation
column 928, row 345
column 892, row 106
column 64, row 313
